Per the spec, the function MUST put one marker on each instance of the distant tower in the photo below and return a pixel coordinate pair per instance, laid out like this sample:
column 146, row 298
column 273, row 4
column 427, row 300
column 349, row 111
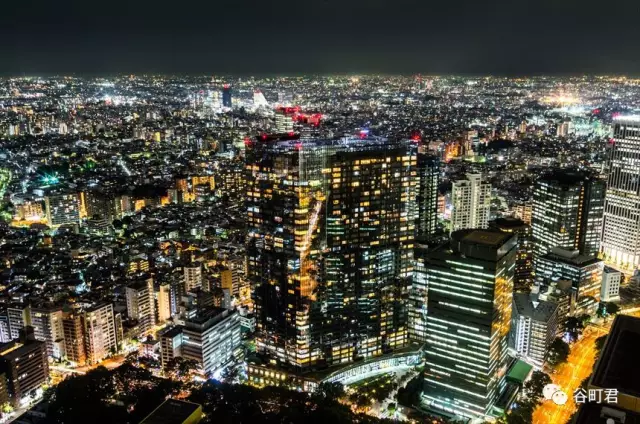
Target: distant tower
column 226, row 96
column 284, row 123
column 471, row 199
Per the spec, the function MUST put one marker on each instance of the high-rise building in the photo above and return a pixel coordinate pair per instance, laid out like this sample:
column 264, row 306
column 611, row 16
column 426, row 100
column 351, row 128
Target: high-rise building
column 5, row 334
column 163, row 299
column 428, row 168
column 47, row 327
column 610, row 288
column 25, row 365
column 331, row 231
column 564, row 129
column 170, row 345
column 471, row 203
column 226, row 96
column 211, row 338
column 73, row 330
column 19, row 317
column 469, row 315
column 62, row 209
column 418, row 297
column 284, row 123
column 523, row 276
column 192, row 277
column 565, row 296
column 141, row 304
column 567, row 212
column 621, row 228
column 99, row 332
column 534, row 326
column 584, row 272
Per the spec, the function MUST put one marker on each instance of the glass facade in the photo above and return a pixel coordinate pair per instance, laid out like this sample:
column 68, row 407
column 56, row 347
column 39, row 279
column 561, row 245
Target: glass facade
column 330, row 247
column 621, row 229
column 470, row 293
column 567, row 212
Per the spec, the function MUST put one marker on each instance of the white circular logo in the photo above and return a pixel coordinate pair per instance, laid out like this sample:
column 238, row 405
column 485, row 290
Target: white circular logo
column 553, row 392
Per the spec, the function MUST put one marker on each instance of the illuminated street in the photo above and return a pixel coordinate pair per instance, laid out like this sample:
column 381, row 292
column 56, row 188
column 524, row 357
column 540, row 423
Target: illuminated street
column 568, row 376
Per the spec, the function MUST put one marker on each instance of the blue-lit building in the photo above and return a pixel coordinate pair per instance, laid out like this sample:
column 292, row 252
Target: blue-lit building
column 226, row 96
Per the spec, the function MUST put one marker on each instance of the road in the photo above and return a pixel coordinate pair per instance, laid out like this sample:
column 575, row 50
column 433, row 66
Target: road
column 569, row 376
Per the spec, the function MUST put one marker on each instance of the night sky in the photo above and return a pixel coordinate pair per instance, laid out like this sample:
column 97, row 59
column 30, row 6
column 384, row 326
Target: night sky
column 509, row 37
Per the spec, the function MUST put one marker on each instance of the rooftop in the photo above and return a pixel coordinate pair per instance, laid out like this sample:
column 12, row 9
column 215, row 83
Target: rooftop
column 173, row 411
column 529, row 306
column 566, row 176
column 572, row 257
column 487, row 238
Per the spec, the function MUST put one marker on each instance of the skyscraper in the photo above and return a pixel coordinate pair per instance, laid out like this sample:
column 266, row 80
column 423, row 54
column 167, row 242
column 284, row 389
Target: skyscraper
column 523, row 277
column 226, row 96
column 471, row 201
column 211, row 338
column 331, row 230
column 468, row 321
column 567, row 212
column 428, row 168
column 418, row 297
column 621, row 228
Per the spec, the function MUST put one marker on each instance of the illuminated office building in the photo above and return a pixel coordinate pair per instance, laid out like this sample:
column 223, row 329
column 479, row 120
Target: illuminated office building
column 469, row 315
column 523, row 276
column 331, row 233
column 621, row 229
column 567, row 212
column 418, row 296
column 584, row 272
column 428, row 168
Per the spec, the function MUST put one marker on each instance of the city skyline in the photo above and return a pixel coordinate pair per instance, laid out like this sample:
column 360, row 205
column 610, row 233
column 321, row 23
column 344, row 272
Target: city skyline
column 355, row 249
